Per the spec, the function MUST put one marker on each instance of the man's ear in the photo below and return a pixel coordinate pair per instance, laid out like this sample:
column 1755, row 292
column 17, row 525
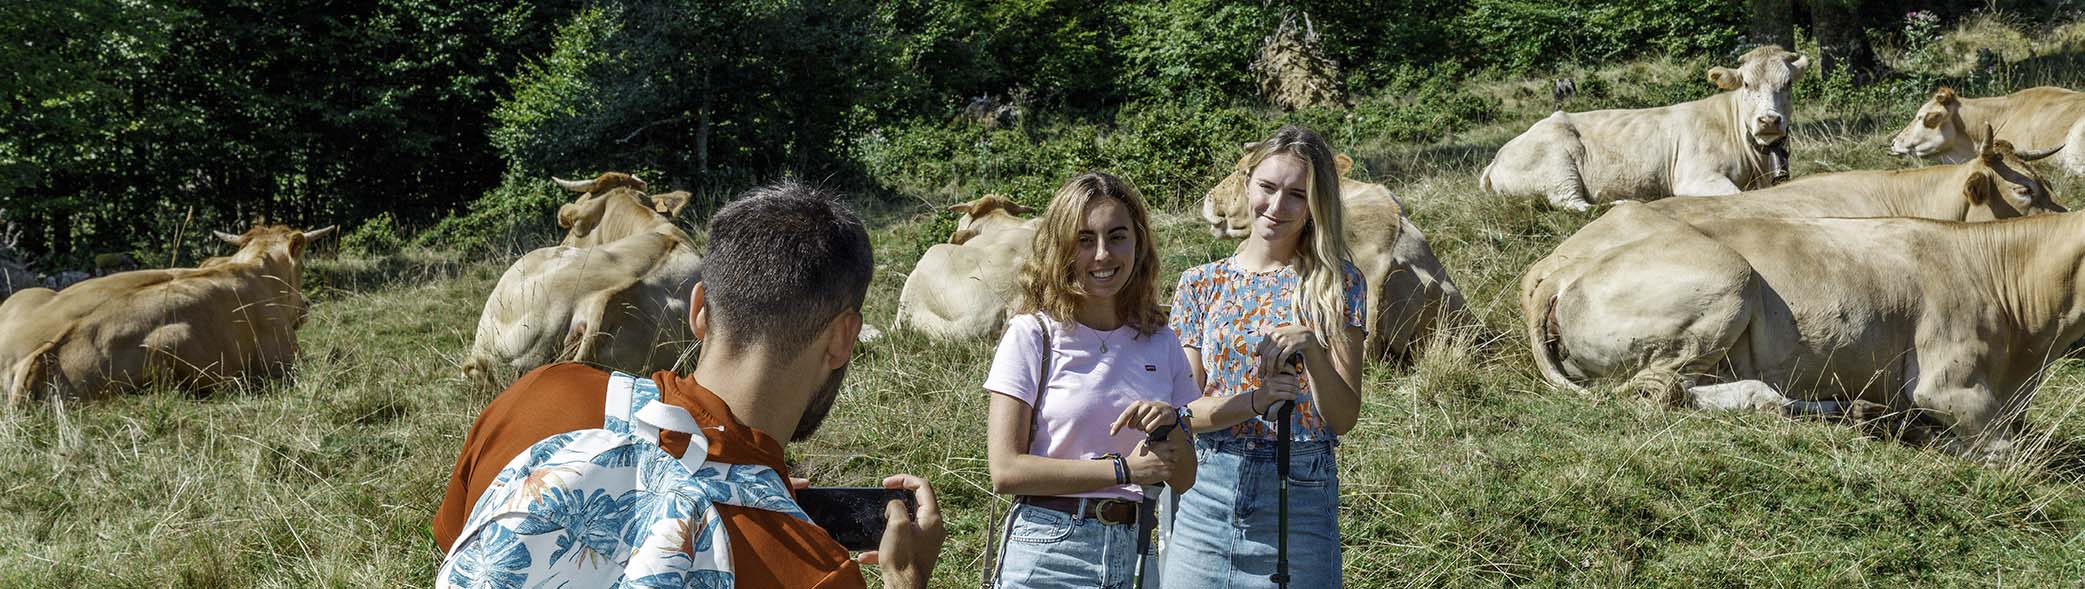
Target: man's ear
column 698, row 319
column 839, row 338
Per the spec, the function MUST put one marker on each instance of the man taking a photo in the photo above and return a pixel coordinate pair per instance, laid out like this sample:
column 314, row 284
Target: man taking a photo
column 777, row 310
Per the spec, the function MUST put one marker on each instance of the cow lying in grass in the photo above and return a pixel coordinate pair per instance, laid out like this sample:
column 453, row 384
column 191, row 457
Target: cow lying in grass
column 615, row 293
column 193, row 328
column 2036, row 119
column 1949, row 321
column 964, row 288
column 1999, row 184
column 1713, row 146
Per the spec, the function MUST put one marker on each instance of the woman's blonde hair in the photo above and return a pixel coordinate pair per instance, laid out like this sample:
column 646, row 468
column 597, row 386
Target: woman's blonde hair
column 1047, row 283
column 1321, row 252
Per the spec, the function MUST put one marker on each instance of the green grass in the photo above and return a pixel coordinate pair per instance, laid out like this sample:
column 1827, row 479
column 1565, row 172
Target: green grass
column 1464, row 471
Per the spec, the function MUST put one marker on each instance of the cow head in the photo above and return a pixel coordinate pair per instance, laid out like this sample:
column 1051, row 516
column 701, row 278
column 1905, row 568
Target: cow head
column 1225, row 206
column 584, row 213
column 1761, row 84
column 1936, row 131
column 275, row 244
column 987, row 206
column 2002, row 185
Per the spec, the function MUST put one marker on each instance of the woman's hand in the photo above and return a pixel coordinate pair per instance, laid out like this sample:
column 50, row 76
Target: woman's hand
column 1280, row 387
column 1155, row 462
column 1143, row 416
column 1278, row 344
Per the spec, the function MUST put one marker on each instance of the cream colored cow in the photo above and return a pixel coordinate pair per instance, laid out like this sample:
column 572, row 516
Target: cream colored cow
column 1950, row 128
column 1409, row 291
column 1999, row 184
column 965, row 288
column 1713, row 146
column 621, row 305
column 1952, row 321
column 189, row 327
column 612, row 207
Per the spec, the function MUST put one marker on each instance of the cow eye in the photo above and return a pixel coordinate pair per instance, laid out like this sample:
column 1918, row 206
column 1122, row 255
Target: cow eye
column 1932, row 120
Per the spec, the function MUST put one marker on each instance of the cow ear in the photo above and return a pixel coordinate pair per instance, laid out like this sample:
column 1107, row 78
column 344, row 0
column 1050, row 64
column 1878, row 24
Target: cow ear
column 1343, row 163
column 1979, row 189
column 229, row 238
column 1014, row 208
column 1933, row 119
column 671, row 203
column 962, row 235
column 1944, row 96
column 1800, row 63
column 1726, row 78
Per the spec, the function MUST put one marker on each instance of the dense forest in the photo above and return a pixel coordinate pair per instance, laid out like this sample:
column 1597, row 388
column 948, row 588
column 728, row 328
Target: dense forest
column 136, row 126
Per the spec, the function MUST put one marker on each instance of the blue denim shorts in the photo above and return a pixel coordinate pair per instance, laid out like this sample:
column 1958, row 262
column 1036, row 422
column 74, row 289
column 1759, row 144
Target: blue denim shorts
column 1047, row 549
column 1224, row 532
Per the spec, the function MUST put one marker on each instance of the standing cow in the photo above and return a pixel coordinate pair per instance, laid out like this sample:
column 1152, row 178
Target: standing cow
column 189, row 327
column 1950, row 127
column 1713, row 146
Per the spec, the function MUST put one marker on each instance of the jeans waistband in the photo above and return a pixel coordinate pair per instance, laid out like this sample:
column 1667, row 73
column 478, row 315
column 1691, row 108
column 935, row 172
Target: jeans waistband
column 1261, row 448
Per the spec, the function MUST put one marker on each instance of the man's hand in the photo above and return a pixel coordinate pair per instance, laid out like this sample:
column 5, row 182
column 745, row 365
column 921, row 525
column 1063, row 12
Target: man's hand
column 910, row 546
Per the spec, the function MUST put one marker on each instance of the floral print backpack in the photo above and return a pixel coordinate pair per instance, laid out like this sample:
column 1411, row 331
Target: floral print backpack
column 609, row 508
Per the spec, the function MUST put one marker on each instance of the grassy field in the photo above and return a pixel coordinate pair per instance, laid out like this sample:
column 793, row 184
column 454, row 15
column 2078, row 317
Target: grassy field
column 1464, row 471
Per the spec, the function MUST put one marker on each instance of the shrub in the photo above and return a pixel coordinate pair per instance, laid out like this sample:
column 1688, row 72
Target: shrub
column 378, row 236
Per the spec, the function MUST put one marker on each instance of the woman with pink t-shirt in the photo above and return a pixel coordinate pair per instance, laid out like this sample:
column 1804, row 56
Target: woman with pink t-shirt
column 1085, row 370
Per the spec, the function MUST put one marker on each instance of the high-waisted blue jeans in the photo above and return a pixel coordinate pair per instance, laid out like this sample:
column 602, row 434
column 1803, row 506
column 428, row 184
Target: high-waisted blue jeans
column 1048, row 549
column 1224, row 533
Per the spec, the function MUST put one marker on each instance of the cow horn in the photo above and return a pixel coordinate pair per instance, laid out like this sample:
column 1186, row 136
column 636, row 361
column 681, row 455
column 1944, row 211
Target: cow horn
column 315, row 234
column 2028, row 156
column 229, row 238
column 575, row 185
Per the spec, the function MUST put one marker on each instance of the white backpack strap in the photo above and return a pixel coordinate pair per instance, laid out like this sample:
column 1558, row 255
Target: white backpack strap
column 616, row 408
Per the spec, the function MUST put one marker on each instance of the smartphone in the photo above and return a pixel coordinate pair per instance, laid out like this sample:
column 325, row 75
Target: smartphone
column 853, row 515
column 1160, row 433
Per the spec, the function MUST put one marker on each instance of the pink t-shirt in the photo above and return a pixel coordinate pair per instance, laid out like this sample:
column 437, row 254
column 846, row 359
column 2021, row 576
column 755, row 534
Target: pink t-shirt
column 1086, row 389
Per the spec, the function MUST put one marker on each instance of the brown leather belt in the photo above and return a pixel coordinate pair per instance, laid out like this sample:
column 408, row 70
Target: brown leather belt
column 1108, row 511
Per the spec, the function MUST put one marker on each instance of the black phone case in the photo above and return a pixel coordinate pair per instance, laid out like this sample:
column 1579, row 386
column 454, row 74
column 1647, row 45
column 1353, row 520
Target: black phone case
column 854, row 516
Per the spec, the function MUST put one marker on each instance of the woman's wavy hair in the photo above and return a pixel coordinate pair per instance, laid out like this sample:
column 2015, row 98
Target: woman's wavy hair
column 1047, row 283
column 1321, row 252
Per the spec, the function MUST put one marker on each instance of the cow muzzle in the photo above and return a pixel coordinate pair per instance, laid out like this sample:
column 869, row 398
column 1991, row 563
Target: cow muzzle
column 1769, row 128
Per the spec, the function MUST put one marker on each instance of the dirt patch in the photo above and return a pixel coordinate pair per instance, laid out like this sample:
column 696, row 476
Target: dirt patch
column 1293, row 71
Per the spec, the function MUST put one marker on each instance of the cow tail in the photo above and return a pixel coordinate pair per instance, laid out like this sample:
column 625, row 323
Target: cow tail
column 28, row 375
column 1548, row 346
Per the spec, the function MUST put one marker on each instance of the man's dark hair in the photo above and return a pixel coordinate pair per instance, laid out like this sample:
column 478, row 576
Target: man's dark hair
column 784, row 259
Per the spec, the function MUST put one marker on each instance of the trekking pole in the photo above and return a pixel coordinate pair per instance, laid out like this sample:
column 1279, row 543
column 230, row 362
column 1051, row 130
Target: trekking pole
column 1281, row 468
column 1151, row 492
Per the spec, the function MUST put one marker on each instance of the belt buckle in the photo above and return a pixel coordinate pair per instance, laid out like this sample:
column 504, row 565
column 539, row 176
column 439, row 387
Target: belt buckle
column 1100, row 511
